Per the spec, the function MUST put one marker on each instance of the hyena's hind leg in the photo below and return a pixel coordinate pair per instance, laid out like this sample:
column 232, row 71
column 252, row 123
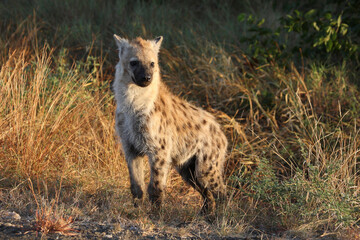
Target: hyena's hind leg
column 135, row 163
column 209, row 174
column 188, row 173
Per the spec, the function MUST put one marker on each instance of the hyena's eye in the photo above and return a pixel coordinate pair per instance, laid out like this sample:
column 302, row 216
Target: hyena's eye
column 152, row 64
column 134, row 63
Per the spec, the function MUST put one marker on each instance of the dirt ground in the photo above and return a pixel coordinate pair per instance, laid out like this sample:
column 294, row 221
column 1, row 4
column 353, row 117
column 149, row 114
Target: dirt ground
column 12, row 226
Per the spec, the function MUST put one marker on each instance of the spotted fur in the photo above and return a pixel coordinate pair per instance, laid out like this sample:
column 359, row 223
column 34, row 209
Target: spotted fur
column 153, row 122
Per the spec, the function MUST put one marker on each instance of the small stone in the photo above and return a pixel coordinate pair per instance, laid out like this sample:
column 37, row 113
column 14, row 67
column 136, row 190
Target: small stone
column 10, row 216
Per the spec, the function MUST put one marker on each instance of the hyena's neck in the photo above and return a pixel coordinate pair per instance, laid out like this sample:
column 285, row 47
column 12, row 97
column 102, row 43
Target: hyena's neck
column 140, row 99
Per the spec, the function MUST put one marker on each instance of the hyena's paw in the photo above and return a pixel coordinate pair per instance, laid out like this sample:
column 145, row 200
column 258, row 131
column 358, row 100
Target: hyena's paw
column 137, row 194
column 155, row 196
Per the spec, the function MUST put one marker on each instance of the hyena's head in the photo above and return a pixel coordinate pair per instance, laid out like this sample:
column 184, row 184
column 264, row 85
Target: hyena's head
column 138, row 59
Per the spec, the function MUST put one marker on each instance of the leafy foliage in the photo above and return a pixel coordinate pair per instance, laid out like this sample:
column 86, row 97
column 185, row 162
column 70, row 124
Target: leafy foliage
column 323, row 31
column 315, row 33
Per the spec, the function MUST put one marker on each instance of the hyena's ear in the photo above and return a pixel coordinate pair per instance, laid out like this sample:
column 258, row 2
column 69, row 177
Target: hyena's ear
column 122, row 43
column 157, row 43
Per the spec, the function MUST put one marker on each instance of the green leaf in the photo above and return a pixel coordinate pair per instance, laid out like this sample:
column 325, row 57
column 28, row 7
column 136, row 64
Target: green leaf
column 339, row 21
column 329, row 45
column 241, row 17
column 327, row 38
column 333, row 37
column 328, row 29
column 343, row 29
column 310, row 13
column 328, row 16
column 316, row 26
column 250, row 19
column 261, row 22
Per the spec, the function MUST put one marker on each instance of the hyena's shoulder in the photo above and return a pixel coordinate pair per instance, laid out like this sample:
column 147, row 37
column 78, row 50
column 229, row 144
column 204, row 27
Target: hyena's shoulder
column 180, row 115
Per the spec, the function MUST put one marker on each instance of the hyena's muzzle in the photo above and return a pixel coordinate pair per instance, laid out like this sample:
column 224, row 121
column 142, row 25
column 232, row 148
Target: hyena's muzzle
column 142, row 75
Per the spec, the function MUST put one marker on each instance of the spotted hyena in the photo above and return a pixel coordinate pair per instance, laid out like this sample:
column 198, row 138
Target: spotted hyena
column 153, row 122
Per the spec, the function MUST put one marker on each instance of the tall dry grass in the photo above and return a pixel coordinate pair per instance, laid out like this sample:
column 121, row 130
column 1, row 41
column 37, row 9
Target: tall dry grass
column 51, row 124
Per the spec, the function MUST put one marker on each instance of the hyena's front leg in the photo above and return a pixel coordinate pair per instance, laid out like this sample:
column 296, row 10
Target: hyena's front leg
column 135, row 163
column 158, row 176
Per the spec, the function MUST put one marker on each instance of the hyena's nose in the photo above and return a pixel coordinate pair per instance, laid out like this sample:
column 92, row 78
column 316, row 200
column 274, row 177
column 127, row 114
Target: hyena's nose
column 147, row 78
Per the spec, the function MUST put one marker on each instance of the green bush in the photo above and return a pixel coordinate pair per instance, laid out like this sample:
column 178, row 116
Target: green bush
column 322, row 34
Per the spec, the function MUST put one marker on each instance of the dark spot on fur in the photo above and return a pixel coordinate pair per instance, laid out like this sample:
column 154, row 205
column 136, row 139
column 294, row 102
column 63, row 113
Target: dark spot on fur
column 204, row 121
column 184, row 126
column 189, row 124
column 156, row 171
column 205, row 157
column 164, row 113
column 216, row 184
column 206, row 174
column 162, row 146
column 162, row 100
column 156, row 109
column 210, row 168
column 162, row 141
column 212, row 180
column 197, row 126
column 162, row 162
column 168, row 121
column 156, row 183
column 206, row 144
column 178, row 128
column 217, row 164
column 183, row 105
column 193, row 108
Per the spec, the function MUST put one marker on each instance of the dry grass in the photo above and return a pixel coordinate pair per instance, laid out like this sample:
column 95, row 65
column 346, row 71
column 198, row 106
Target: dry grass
column 49, row 220
column 51, row 125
